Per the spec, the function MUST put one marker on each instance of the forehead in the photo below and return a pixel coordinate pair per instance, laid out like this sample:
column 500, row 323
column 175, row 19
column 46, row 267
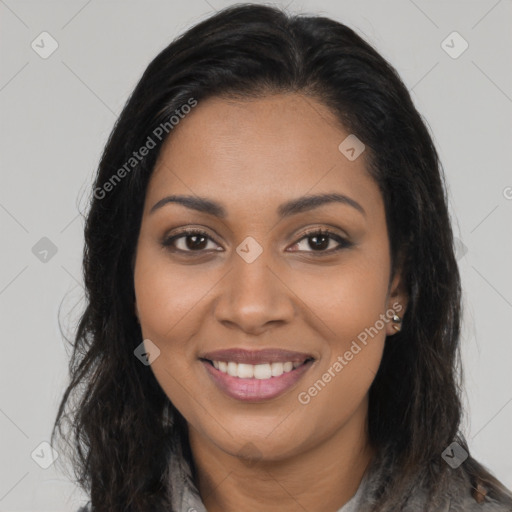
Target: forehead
column 259, row 151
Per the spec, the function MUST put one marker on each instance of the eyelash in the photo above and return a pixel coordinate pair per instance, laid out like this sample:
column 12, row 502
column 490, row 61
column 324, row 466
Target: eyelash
column 343, row 243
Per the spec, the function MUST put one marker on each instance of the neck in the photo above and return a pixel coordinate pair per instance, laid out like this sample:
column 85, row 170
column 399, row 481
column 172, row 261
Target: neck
column 322, row 478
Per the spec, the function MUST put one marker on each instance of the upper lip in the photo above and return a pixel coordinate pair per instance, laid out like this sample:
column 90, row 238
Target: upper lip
column 271, row 355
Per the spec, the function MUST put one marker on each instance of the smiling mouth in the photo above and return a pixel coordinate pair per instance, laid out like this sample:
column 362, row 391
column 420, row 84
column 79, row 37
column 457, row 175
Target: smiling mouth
column 256, row 375
column 256, row 371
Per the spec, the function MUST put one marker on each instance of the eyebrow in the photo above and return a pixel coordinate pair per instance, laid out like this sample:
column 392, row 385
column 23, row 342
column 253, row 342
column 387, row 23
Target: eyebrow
column 292, row 207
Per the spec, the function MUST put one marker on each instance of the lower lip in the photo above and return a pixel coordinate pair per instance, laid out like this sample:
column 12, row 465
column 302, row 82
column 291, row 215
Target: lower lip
column 255, row 390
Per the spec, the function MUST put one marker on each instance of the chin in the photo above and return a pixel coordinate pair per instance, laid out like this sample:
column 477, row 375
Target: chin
column 258, row 445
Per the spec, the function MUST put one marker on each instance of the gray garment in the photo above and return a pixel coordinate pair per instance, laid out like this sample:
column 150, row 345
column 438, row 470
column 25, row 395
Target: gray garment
column 456, row 498
column 352, row 505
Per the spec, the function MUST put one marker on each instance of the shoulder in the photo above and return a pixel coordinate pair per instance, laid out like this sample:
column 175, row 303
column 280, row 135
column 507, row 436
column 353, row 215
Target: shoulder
column 458, row 498
column 463, row 495
column 469, row 504
column 456, row 491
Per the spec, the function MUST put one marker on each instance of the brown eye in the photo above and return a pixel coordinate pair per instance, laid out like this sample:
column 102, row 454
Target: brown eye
column 188, row 241
column 321, row 242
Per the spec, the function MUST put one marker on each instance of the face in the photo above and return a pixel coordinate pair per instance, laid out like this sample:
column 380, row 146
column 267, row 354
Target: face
column 291, row 297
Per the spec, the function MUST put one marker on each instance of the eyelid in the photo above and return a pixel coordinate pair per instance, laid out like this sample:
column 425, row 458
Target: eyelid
column 320, row 229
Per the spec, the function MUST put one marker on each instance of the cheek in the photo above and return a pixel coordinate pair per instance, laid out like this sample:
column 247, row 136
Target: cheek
column 159, row 309
column 351, row 307
column 168, row 296
column 337, row 388
column 346, row 300
column 171, row 313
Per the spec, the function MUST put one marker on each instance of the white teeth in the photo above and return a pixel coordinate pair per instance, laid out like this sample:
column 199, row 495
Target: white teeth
column 245, row 371
column 262, row 371
column 255, row 371
column 232, row 369
column 277, row 369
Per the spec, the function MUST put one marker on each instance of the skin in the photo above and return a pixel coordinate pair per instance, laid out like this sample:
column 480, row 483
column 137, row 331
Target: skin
column 252, row 156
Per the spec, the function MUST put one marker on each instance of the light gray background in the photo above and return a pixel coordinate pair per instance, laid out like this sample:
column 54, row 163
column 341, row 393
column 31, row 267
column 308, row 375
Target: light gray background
column 56, row 114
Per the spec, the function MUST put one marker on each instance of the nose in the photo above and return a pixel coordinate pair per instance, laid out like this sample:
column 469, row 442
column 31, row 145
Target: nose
column 255, row 296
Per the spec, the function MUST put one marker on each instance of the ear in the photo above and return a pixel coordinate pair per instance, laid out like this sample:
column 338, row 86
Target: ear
column 397, row 302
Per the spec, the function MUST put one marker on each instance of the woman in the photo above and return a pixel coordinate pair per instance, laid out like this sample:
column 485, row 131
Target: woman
column 273, row 299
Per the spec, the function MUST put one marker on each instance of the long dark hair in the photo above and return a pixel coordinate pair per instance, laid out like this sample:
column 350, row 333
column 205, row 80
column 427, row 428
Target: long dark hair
column 120, row 421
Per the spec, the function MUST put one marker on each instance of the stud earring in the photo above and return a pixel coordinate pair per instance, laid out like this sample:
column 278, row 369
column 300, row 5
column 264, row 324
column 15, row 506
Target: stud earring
column 398, row 321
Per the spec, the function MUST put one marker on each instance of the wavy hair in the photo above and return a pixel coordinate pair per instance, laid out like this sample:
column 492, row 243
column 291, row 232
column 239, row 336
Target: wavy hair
column 118, row 421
